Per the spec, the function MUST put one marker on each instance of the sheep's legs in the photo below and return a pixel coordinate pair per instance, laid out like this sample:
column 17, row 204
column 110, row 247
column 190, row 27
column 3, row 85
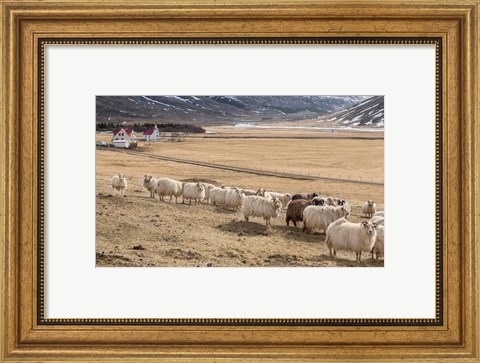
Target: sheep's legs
column 246, row 218
column 359, row 256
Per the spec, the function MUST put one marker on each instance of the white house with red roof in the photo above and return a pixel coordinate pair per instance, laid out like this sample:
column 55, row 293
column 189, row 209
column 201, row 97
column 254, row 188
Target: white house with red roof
column 123, row 137
column 151, row 134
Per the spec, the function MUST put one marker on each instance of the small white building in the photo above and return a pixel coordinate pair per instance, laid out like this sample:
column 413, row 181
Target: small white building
column 151, row 134
column 127, row 134
column 124, row 144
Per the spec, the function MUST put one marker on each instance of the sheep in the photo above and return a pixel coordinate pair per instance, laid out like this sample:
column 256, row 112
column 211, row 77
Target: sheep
column 378, row 247
column 234, row 199
column 321, row 217
column 217, row 196
column 346, row 236
column 285, row 198
column 330, row 201
column 195, row 191
column 261, row 193
column 249, row 192
column 295, row 210
column 317, row 201
column 378, row 220
column 305, row 196
column 369, row 208
column 208, row 188
column 169, row 187
column 150, row 184
column 334, row 201
column 119, row 183
column 380, row 213
column 256, row 206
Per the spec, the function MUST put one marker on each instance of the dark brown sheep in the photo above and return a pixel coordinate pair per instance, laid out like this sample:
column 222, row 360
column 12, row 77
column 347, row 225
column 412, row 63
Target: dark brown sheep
column 295, row 210
column 305, row 196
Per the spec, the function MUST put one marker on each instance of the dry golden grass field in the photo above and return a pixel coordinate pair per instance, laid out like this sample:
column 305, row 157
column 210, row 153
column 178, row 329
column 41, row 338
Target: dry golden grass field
column 136, row 230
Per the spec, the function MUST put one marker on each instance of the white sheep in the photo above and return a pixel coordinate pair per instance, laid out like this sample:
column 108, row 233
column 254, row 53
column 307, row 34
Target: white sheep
column 119, row 183
column 378, row 247
column 378, row 220
column 346, row 236
column 249, row 192
column 195, row 191
column 169, row 187
column 256, row 206
column 150, row 184
column 369, row 208
column 234, row 199
column 320, row 217
column 217, row 196
column 208, row 187
column 380, row 213
column 261, row 193
column 285, row 198
column 330, row 201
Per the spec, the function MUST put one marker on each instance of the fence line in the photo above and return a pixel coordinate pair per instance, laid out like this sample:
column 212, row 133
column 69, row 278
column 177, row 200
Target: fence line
column 298, row 176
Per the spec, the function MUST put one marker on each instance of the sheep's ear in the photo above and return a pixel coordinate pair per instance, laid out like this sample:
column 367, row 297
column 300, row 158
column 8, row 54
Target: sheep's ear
column 144, row 176
column 365, row 223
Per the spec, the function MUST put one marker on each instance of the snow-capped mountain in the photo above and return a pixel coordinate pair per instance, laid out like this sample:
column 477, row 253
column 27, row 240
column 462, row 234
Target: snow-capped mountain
column 369, row 113
column 218, row 110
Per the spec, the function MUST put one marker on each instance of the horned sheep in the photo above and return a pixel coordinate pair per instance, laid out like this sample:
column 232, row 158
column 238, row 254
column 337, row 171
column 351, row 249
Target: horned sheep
column 369, row 208
column 195, row 191
column 346, row 236
column 169, row 187
column 320, row 217
column 119, row 183
column 256, row 206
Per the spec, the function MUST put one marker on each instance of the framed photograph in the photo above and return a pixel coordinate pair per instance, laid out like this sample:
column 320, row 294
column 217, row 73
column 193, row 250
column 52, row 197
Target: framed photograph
column 234, row 203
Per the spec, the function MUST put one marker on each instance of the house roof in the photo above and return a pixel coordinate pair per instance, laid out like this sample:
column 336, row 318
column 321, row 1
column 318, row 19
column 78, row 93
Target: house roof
column 148, row 132
column 128, row 131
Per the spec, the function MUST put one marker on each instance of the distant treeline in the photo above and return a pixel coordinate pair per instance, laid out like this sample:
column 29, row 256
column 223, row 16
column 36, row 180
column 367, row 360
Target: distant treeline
column 163, row 127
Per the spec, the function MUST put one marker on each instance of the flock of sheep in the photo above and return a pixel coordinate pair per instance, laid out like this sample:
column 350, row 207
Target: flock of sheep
column 322, row 213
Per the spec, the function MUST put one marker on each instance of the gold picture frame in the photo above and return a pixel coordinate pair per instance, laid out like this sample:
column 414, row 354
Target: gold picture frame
column 26, row 27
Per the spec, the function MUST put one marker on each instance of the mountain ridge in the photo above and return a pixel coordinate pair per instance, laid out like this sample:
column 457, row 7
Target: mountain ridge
column 218, row 110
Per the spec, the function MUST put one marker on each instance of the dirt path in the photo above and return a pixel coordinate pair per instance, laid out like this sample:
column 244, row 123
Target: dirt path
column 243, row 170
